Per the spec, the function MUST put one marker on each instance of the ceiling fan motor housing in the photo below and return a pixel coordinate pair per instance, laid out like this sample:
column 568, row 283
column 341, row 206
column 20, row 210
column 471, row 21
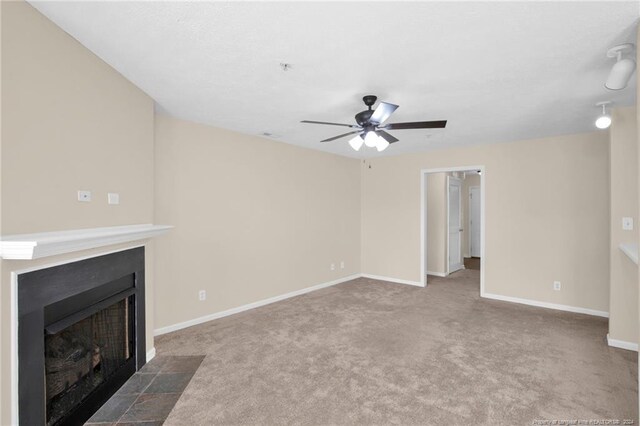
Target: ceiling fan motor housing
column 362, row 118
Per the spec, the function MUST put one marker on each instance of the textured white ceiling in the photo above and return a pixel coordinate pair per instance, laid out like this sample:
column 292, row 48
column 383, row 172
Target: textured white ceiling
column 498, row 71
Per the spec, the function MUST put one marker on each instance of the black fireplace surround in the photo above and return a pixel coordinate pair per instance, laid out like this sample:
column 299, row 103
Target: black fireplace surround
column 90, row 313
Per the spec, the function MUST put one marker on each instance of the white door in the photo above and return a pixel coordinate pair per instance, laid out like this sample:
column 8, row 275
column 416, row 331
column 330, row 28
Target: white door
column 454, row 196
column 474, row 221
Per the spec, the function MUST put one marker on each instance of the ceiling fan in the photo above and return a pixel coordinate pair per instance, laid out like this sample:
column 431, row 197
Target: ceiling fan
column 371, row 132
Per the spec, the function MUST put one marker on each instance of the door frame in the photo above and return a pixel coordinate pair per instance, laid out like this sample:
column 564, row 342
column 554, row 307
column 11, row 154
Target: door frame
column 449, row 178
column 469, row 218
column 423, row 219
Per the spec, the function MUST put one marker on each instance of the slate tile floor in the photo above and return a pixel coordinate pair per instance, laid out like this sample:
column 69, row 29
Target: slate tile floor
column 148, row 397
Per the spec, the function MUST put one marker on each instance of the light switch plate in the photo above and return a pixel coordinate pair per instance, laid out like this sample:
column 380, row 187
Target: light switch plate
column 627, row 223
column 113, row 198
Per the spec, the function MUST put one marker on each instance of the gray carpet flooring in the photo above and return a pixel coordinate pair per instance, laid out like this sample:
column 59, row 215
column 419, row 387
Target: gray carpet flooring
column 372, row 352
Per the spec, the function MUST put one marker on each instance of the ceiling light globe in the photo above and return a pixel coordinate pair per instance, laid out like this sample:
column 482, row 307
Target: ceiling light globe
column 356, row 143
column 371, row 139
column 603, row 122
column 382, row 144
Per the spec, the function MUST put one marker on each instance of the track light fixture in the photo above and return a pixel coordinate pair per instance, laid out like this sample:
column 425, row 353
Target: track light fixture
column 623, row 69
column 604, row 120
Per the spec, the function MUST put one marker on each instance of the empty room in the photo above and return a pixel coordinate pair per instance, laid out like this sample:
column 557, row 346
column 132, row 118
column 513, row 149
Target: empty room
column 319, row 213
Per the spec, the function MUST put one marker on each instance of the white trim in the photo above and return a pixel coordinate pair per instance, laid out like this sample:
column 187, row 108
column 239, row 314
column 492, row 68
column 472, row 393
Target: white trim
column 423, row 219
column 469, row 214
column 614, row 343
column 216, row 315
column 35, row 246
column 437, row 274
column 423, row 229
column 547, row 305
column 457, row 266
column 392, row 280
column 13, row 296
column 151, row 354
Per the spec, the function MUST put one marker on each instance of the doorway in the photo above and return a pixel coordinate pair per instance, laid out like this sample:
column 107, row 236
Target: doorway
column 452, row 222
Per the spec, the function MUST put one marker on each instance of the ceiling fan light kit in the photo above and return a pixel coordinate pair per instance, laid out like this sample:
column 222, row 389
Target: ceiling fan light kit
column 382, row 144
column 371, row 139
column 356, row 143
column 370, row 129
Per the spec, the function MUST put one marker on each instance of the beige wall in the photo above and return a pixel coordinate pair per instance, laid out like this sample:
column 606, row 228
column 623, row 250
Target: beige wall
column 69, row 122
column 546, row 218
column 469, row 181
column 254, row 219
column 436, row 223
column 624, row 202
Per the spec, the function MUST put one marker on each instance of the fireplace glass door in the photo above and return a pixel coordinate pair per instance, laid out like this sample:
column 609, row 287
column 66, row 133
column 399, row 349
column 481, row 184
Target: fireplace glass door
column 82, row 354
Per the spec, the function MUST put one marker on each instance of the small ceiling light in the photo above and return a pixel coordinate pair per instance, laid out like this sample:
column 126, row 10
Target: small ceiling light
column 371, row 139
column 604, row 120
column 382, row 144
column 623, row 69
column 356, row 143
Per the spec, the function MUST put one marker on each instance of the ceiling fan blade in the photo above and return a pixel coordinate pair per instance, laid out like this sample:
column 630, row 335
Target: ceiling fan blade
column 330, row 124
column 382, row 112
column 417, row 125
column 386, row 136
column 341, row 136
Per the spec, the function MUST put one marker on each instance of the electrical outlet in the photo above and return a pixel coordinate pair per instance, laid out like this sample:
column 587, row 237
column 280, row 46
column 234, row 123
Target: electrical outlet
column 202, row 295
column 342, row 265
column 557, row 286
column 84, row 196
column 333, row 267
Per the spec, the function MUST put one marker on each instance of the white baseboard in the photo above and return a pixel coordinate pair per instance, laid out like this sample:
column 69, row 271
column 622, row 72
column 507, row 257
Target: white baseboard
column 547, row 305
column 392, row 280
column 151, row 354
column 210, row 317
column 622, row 344
column 437, row 274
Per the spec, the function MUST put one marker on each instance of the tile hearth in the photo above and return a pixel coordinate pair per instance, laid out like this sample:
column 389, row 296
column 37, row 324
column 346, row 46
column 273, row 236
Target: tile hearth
column 148, row 396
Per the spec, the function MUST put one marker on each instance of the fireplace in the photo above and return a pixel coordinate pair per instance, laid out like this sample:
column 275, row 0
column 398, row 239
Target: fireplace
column 80, row 336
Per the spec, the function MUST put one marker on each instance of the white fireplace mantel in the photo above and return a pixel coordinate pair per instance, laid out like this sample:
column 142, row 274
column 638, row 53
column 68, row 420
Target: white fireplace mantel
column 35, row 246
